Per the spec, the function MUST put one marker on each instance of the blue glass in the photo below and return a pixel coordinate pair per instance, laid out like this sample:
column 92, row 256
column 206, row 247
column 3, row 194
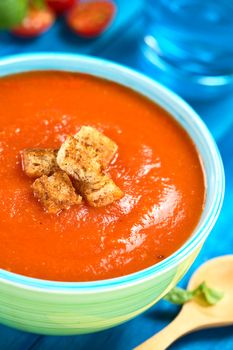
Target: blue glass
column 188, row 45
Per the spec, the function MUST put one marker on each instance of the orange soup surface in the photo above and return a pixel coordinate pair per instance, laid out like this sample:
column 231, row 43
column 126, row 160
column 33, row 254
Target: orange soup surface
column 157, row 167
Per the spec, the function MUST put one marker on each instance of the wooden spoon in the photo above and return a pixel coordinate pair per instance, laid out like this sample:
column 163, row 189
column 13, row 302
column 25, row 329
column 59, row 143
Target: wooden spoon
column 195, row 315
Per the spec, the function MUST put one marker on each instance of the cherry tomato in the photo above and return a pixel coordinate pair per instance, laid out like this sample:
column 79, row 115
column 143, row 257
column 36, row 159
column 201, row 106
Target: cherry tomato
column 89, row 19
column 60, row 6
column 35, row 23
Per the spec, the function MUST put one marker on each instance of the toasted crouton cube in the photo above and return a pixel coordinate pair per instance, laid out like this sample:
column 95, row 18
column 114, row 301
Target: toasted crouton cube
column 85, row 187
column 107, row 194
column 55, row 192
column 38, row 162
column 105, row 148
column 100, row 193
column 79, row 160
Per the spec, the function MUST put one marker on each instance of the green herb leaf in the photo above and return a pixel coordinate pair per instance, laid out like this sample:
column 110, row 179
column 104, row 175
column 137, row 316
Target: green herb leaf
column 12, row 12
column 181, row 296
column 211, row 296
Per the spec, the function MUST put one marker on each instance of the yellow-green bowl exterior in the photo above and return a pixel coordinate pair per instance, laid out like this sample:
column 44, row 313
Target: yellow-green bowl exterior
column 66, row 314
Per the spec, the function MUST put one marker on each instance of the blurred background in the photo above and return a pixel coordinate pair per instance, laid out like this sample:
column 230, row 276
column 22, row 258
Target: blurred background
column 186, row 45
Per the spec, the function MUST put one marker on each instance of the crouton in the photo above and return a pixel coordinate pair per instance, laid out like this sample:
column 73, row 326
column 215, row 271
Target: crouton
column 85, row 187
column 79, row 160
column 55, row 192
column 104, row 147
column 100, row 193
column 38, row 162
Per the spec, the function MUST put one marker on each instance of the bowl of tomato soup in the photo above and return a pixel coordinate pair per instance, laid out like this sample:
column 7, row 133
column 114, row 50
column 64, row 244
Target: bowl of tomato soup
column 87, row 269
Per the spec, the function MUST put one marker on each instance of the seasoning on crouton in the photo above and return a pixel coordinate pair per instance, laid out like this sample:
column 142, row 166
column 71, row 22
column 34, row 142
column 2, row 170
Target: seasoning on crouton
column 55, row 192
column 100, row 193
column 104, row 147
column 83, row 158
column 79, row 160
column 38, row 162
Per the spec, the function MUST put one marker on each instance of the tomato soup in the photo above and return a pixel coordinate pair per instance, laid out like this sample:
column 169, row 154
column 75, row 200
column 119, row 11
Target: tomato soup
column 157, row 167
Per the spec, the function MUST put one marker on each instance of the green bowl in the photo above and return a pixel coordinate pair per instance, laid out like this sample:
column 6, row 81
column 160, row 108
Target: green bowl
column 63, row 308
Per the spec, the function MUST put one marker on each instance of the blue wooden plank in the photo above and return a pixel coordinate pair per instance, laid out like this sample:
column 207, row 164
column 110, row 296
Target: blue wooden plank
column 208, row 339
column 125, row 48
column 217, row 114
column 10, row 339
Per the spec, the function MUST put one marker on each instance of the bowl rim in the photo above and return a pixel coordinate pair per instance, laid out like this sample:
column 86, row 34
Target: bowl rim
column 199, row 233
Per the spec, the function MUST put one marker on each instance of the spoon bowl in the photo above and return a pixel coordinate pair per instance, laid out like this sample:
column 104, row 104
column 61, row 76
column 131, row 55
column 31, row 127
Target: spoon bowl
column 218, row 275
column 196, row 314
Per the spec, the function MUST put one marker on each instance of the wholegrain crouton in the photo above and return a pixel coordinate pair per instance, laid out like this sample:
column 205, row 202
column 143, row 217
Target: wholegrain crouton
column 79, row 160
column 101, row 193
column 38, row 162
column 55, row 192
column 104, row 147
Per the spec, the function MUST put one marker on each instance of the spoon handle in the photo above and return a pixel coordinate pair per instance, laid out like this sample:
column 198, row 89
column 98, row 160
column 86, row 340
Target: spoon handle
column 168, row 335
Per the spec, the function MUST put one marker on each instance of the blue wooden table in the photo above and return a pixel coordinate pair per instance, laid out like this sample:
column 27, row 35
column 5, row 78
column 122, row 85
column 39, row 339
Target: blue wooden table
column 120, row 43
